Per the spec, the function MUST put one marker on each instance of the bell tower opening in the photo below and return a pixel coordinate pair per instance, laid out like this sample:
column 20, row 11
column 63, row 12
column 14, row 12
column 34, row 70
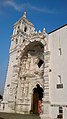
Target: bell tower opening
column 25, row 29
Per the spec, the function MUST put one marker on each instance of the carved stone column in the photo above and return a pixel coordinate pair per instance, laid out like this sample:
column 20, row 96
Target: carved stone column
column 46, row 102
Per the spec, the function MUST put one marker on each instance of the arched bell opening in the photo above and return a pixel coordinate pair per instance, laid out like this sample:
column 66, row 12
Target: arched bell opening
column 36, row 106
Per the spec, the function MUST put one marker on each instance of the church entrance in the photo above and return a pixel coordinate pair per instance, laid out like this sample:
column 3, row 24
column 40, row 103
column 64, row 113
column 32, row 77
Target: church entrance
column 37, row 99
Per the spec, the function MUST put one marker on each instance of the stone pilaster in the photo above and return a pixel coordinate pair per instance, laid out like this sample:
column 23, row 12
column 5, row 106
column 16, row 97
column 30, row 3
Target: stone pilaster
column 46, row 102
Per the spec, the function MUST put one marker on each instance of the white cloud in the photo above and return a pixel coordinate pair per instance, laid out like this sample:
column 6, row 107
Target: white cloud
column 22, row 6
column 14, row 5
column 43, row 10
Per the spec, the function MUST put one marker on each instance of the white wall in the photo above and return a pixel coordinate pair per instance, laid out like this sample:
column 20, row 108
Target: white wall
column 58, row 65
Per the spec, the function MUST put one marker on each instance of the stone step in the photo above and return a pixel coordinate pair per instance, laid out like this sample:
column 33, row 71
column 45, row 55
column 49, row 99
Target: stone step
column 18, row 116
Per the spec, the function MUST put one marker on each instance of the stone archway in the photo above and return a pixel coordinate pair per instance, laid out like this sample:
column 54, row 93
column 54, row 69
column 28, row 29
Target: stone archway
column 31, row 71
column 34, row 48
column 37, row 99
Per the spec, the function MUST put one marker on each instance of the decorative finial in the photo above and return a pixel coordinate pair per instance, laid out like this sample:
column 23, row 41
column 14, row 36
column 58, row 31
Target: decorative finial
column 36, row 32
column 24, row 15
column 39, row 31
column 44, row 30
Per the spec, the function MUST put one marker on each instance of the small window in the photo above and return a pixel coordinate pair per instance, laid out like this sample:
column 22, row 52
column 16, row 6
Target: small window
column 25, row 29
column 60, row 116
column 60, row 110
column 59, row 86
column 60, row 52
column 59, row 78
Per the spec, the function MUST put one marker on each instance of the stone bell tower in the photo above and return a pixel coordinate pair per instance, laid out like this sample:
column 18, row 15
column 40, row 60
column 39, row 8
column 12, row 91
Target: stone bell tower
column 27, row 68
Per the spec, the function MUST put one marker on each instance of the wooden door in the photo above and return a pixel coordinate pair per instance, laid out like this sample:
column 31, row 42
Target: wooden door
column 35, row 103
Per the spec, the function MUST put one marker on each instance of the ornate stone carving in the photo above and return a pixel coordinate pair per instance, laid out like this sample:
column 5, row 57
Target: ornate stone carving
column 30, row 56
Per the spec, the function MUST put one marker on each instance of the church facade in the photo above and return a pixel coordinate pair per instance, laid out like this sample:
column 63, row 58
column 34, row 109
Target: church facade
column 37, row 71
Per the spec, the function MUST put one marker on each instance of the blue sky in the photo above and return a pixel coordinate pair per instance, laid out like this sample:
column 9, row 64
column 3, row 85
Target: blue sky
column 50, row 14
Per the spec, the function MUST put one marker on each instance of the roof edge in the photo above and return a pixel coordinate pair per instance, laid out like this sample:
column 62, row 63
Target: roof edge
column 57, row 29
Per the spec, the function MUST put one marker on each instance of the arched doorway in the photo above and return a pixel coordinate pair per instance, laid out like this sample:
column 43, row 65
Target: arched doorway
column 37, row 99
